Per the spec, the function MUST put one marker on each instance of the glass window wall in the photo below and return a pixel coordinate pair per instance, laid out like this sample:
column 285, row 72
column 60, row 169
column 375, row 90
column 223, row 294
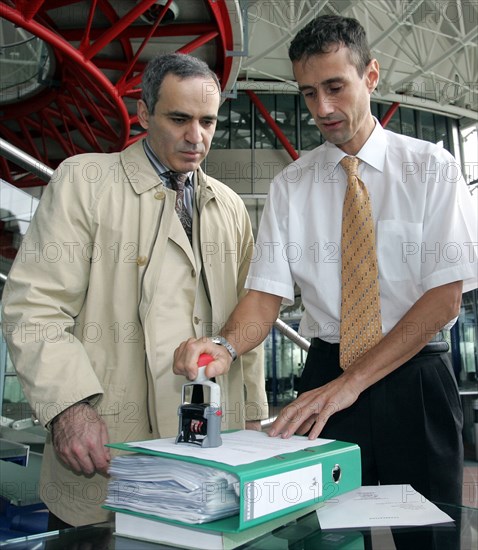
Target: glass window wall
column 241, row 126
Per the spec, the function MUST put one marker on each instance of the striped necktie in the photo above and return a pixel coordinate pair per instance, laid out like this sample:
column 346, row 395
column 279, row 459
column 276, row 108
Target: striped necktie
column 178, row 181
column 360, row 317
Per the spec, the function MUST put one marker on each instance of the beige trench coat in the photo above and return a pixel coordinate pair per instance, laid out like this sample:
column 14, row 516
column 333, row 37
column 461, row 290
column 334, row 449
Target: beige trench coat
column 77, row 313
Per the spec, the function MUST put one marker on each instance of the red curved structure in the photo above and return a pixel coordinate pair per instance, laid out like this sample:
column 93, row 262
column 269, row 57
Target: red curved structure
column 83, row 109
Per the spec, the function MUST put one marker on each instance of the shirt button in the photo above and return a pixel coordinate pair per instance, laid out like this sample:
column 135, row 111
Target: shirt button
column 159, row 196
column 141, row 260
column 196, row 320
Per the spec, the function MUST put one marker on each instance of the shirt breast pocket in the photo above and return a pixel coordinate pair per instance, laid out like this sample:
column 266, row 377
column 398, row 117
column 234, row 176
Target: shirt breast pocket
column 398, row 250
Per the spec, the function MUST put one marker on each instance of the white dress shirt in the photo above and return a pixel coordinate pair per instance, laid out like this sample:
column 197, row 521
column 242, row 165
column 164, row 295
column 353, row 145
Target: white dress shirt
column 425, row 221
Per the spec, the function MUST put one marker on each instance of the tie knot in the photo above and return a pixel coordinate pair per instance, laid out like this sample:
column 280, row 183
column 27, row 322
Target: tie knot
column 350, row 165
column 177, row 180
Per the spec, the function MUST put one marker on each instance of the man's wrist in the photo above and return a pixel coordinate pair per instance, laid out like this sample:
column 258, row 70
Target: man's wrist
column 55, row 418
column 221, row 341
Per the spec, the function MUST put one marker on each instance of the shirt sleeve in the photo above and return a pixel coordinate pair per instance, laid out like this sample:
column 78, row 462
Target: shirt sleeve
column 253, row 368
column 270, row 270
column 449, row 251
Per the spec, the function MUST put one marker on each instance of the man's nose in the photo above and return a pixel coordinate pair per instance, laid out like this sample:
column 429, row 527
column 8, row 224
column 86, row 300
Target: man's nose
column 324, row 106
column 194, row 133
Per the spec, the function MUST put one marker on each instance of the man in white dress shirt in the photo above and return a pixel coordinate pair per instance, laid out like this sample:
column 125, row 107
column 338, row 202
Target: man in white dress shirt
column 399, row 400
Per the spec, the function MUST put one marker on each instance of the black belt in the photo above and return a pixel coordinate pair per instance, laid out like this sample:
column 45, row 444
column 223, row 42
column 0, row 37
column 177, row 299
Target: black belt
column 430, row 349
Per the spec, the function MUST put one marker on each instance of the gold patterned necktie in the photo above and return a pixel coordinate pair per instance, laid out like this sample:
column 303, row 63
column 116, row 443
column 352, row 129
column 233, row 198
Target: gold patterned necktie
column 178, row 181
column 360, row 318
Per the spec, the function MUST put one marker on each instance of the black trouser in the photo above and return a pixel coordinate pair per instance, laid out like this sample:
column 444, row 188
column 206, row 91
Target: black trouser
column 408, row 425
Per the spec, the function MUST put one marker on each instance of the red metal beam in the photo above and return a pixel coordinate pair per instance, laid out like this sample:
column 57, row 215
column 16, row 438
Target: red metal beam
column 69, row 117
column 110, row 13
column 15, row 111
column 29, row 8
column 197, row 42
column 273, row 125
column 117, row 28
column 139, row 31
column 85, row 39
column 389, row 114
column 97, row 79
column 121, row 85
column 5, row 169
column 26, row 135
column 83, row 101
column 225, row 39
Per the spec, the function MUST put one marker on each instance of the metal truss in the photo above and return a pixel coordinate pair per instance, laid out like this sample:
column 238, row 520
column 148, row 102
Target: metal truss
column 427, row 49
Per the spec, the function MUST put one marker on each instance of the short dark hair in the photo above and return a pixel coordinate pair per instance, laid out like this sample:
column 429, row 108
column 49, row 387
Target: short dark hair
column 325, row 32
column 179, row 64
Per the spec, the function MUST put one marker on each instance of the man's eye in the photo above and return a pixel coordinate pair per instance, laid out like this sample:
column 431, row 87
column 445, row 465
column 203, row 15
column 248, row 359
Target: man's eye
column 335, row 89
column 308, row 94
column 177, row 120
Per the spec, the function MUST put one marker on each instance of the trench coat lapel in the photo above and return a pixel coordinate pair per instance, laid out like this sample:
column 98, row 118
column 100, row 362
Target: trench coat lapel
column 158, row 222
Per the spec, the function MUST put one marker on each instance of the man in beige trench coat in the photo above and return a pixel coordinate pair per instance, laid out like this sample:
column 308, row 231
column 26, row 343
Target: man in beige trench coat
column 107, row 284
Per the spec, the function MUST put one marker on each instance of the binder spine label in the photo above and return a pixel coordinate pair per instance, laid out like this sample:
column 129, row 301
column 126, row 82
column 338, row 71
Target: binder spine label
column 277, row 492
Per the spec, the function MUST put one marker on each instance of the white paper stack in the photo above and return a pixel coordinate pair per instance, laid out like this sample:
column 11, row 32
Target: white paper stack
column 172, row 489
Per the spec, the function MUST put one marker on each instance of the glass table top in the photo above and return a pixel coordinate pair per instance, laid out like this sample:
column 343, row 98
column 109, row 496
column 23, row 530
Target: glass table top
column 302, row 534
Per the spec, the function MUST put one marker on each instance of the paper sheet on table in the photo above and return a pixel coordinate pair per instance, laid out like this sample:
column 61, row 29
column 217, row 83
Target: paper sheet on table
column 241, row 447
column 380, row 506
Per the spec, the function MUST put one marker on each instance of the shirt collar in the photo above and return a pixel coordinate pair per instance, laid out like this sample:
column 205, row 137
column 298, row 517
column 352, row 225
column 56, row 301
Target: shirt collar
column 372, row 152
column 374, row 149
column 158, row 165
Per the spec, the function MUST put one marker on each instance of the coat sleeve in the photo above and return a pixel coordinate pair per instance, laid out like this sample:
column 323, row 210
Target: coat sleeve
column 256, row 406
column 44, row 293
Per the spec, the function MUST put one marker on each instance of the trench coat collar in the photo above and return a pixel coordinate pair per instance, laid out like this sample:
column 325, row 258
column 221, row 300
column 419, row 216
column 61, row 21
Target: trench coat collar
column 139, row 170
column 143, row 177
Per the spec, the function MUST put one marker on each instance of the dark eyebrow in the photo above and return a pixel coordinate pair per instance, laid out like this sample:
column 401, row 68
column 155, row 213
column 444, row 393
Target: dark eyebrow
column 333, row 80
column 180, row 114
column 306, row 87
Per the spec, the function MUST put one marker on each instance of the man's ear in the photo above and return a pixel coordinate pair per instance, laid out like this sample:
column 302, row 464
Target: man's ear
column 372, row 74
column 143, row 114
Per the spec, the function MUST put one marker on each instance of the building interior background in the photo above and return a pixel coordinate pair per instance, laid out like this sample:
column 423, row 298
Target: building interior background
column 70, row 74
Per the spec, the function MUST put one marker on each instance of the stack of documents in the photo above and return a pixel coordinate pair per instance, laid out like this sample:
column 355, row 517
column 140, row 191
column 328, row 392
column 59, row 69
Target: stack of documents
column 172, row 489
column 251, row 479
